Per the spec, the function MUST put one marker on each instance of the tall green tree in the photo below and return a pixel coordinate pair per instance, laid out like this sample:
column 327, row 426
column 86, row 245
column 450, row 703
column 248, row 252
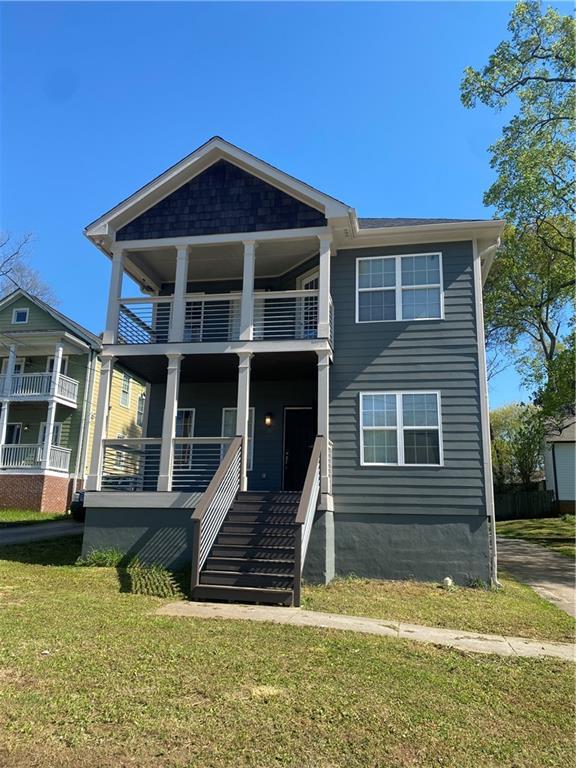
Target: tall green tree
column 529, row 294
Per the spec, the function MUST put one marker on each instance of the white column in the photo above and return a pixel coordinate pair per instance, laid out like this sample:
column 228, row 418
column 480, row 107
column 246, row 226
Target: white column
column 243, row 412
column 179, row 300
column 324, row 289
column 95, row 476
column 324, row 417
column 6, row 396
column 169, row 422
column 51, row 414
column 114, row 294
column 247, row 307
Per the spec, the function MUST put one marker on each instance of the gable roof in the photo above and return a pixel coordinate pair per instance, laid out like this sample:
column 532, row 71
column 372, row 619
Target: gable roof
column 86, row 335
column 199, row 160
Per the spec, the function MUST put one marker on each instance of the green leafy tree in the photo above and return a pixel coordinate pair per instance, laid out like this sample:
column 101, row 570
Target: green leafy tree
column 517, row 432
column 526, row 446
column 503, row 423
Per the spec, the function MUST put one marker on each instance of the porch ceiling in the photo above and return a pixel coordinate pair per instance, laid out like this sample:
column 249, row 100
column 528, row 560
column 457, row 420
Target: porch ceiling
column 224, row 261
column 287, row 366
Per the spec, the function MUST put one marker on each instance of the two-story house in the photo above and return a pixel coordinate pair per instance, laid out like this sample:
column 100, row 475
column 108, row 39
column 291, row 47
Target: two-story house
column 317, row 385
column 49, row 380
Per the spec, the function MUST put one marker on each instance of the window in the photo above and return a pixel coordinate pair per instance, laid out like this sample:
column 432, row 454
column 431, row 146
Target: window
column 184, row 452
column 56, row 433
column 399, row 288
column 63, row 365
column 140, row 410
column 18, row 365
column 229, row 430
column 401, row 428
column 20, row 316
column 13, row 434
column 125, row 391
column 119, row 455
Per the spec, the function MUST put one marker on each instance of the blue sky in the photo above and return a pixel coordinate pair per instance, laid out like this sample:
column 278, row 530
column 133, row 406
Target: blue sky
column 359, row 100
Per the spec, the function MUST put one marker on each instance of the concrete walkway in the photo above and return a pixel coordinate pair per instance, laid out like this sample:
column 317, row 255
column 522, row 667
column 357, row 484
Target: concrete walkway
column 451, row 638
column 550, row 574
column 22, row 534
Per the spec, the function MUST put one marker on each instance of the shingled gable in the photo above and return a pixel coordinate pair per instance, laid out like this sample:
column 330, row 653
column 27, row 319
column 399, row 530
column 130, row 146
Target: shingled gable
column 222, row 199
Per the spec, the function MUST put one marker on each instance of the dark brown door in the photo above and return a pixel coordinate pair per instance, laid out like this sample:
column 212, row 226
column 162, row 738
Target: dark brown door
column 299, row 435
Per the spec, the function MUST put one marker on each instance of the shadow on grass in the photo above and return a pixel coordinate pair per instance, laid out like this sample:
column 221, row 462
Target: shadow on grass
column 64, row 551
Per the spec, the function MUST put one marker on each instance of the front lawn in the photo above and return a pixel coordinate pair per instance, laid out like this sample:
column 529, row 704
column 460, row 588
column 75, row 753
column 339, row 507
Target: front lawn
column 90, row 676
column 14, row 517
column 556, row 533
column 513, row 610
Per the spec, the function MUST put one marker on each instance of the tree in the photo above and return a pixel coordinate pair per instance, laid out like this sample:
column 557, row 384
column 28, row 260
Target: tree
column 503, row 423
column 517, row 433
column 15, row 272
column 526, row 446
column 529, row 294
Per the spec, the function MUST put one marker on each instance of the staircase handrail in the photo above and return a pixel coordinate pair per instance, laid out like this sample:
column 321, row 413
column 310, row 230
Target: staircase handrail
column 306, row 512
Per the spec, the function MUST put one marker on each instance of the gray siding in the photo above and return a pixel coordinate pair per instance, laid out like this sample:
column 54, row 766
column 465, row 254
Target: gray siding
column 439, row 355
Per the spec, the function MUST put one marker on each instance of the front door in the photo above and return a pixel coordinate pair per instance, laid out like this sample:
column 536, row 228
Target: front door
column 299, row 436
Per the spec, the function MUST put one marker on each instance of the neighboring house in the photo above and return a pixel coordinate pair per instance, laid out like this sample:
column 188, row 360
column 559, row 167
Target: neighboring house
column 317, row 385
column 560, row 466
column 48, row 390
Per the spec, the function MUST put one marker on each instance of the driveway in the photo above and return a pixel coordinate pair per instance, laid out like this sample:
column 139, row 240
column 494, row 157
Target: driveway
column 22, row 534
column 550, row 574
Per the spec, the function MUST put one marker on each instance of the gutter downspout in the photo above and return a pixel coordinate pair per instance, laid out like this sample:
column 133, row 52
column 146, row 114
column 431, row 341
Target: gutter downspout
column 484, row 406
column 85, row 428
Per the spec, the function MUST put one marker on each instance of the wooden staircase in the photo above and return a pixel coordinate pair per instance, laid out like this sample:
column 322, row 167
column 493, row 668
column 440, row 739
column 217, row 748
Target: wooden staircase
column 253, row 556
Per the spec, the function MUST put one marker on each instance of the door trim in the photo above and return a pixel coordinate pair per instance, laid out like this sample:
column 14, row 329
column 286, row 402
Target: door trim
column 290, row 408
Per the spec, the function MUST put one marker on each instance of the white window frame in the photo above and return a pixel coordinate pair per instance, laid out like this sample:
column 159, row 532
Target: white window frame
column 56, row 432
column 186, row 457
column 20, row 361
column 15, row 312
column 125, row 396
column 119, row 455
column 63, row 365
column 400, row 428
column 141, row 411
column 252, row 410
column 15, row 424
column 398, row 287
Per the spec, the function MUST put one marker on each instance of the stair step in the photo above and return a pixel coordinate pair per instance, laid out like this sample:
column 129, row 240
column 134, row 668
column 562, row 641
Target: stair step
column 254, row 540
column 258, row 529
column 243, row 594
column 269, row 507
column 250, row 565
column 287, row 496
column 269, row 518
column 239, row 579
column 246, row 552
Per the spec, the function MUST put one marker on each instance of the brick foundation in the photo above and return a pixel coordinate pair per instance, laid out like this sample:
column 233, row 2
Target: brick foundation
column 38, row 492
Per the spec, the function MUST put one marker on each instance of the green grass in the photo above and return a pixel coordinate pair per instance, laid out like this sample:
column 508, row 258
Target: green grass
column 513, row 610
column 90, row 676
column 15, row 517
column 556, row 533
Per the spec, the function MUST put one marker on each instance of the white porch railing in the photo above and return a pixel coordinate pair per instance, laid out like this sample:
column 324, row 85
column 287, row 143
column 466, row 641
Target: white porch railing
column 28, row 385
column 145, row 320
column 286, row 315
column 24, row 456
column 306, row 513
column 212, row 317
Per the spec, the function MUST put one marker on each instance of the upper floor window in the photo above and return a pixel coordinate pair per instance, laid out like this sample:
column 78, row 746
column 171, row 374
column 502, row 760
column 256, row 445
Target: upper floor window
column 140, row 410
column 401, row 428
column 19, row 365
column 63, row 365
column 125, row 391
column 403, row 287
column 20, row 316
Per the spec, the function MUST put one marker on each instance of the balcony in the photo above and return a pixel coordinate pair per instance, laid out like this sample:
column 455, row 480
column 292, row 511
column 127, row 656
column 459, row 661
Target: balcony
column 37, row 386
column 31, row 457
column 277, row 315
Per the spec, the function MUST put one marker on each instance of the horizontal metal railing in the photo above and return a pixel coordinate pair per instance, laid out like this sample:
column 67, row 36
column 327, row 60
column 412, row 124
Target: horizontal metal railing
column 210, row 317
column 23, row 456
column 195, row 461
column 286, row 315
column 144, row 320
column 131, row 464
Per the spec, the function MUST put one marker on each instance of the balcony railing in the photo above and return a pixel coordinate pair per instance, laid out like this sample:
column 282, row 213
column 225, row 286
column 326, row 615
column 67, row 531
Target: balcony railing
column 291, row 315
column 31, row 457
column 34, row 385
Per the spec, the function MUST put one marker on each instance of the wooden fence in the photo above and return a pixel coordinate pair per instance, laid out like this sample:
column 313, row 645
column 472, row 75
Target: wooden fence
column 525, row 504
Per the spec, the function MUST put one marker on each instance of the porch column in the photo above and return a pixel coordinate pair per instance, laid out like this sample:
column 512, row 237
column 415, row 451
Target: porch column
column 169, row 422
column 94, row 478
column 6, row 395
column 243, row 412
column 323, row 418
column 179, row 300
column 324, row 289
column 51, row 414
column 247, row 307
column 110, row 334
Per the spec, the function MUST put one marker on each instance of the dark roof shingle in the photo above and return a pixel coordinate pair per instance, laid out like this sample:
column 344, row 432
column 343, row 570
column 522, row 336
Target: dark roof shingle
column 397, row 222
